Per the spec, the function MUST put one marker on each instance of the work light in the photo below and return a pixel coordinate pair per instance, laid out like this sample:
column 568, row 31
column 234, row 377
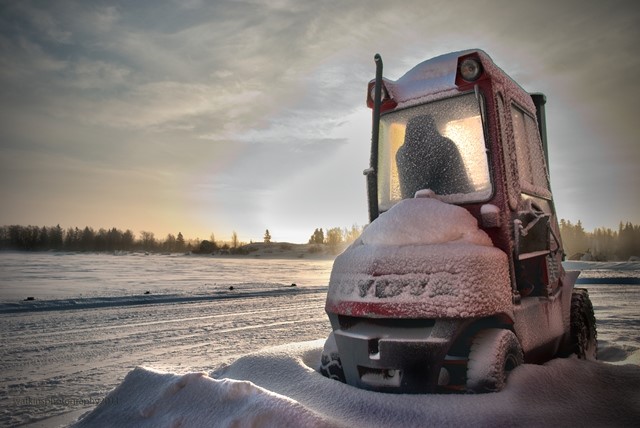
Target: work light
column 470, row 69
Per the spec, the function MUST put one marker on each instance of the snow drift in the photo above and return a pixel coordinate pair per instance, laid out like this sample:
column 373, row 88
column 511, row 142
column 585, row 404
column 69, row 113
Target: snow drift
column 278, row 387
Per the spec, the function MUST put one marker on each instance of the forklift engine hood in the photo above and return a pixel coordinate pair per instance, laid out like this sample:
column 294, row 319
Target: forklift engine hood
column 422, row 258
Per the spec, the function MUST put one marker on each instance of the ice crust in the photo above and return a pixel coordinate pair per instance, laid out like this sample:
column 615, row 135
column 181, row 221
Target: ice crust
column 425, row 259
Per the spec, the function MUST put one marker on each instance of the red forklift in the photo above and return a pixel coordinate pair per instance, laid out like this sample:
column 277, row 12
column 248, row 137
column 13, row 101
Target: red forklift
column 458, row 278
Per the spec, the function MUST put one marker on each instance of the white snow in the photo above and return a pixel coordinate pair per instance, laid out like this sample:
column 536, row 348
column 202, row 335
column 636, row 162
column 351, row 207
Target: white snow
column 482, row 357
column 400, row 279
column 424, row 221
column 278, row 387
column 58, row 363
column 490, row 215
column 152, row 399
column 53, row 278
column 435, row 76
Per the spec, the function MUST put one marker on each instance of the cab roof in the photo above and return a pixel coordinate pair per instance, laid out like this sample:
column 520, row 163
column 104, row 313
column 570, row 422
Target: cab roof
column 435, row 79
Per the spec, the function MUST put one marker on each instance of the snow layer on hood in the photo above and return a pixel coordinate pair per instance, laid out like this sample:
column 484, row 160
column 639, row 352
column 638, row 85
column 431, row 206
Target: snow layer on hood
column 279, row 387
column 422, row 281
column 424, row 221
column 423, row 258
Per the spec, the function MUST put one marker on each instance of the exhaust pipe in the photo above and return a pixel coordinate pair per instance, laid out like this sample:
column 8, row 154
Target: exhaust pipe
column 371, row 172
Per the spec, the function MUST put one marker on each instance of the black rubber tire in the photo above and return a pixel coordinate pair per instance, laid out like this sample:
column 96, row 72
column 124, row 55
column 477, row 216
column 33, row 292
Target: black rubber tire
column 494, row 353
column 330, row 364
column 583, row 333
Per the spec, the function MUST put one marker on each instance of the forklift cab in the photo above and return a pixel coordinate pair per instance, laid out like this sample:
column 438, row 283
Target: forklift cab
column 478, row 141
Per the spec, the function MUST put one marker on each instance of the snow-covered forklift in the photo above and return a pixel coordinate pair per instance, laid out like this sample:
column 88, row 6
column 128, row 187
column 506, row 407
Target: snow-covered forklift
column 458, row 278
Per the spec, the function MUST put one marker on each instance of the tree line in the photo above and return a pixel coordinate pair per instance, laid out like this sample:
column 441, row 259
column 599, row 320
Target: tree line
column 34, row 238
column 336, row 235
column 602, row 244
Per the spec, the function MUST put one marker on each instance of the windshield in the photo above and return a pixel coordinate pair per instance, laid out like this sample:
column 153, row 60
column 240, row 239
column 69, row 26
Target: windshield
column 438, row 146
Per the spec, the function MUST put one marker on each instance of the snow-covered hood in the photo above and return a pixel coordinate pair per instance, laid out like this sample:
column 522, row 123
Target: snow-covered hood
column 421, row 259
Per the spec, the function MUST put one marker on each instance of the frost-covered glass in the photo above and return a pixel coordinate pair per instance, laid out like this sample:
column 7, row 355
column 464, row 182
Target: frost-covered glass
column 438, row 146
column 531, row 165
column 509, row 156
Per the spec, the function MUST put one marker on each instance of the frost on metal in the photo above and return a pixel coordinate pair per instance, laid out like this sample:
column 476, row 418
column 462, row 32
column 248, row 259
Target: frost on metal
column 425, row 259
column 435, row 76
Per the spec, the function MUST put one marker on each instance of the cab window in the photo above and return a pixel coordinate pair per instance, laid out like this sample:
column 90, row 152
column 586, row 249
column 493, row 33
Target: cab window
column 438, row 146
column 532, row 170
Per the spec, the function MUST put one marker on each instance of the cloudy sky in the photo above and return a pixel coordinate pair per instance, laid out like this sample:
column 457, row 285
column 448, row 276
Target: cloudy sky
column 218, row 116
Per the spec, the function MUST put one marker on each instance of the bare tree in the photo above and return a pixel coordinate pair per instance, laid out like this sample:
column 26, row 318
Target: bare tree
column 148, row 240
column 170, row 243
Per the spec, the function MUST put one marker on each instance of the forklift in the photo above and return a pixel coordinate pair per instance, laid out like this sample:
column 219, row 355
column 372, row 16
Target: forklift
column 458, row 277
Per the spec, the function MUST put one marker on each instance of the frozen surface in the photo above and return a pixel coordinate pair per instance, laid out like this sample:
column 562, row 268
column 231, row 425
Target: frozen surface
column 59, row 363
column 63, row 278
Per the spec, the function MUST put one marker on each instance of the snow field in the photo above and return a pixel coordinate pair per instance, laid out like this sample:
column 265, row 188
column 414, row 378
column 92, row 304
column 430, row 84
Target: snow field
column 59, row 362
column 278, row 387
column 53, row 362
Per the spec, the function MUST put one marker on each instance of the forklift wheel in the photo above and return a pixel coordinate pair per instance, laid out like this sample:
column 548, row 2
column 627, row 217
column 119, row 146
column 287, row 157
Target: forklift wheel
column 494, row 353
column 330, row 364
column 584, row 341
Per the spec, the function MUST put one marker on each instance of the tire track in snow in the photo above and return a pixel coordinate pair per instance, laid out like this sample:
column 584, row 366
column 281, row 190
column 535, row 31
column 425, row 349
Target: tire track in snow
column 145, row 353
column 62, row 353
column 10, row 336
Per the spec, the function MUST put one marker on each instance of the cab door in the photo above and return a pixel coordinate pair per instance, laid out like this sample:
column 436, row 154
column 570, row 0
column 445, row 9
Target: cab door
column 536, row 245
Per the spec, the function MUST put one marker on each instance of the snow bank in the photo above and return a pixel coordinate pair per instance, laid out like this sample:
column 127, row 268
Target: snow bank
column 279, row 387
column 421, row 259
column 148, row 398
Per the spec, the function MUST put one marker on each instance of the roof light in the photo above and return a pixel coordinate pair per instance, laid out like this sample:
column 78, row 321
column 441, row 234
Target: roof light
column 383, row 93
column 387, row 102
column 470, row 69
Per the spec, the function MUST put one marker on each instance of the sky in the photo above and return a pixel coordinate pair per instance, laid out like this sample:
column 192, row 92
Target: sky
column 206, row 117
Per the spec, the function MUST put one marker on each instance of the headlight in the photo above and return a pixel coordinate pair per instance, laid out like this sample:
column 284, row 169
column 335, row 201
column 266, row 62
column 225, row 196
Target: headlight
column 470, row 69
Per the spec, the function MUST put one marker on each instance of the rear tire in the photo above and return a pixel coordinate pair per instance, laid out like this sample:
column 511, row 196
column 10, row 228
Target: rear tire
column 583, row 336
column 494, row 353
column 330, row 364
